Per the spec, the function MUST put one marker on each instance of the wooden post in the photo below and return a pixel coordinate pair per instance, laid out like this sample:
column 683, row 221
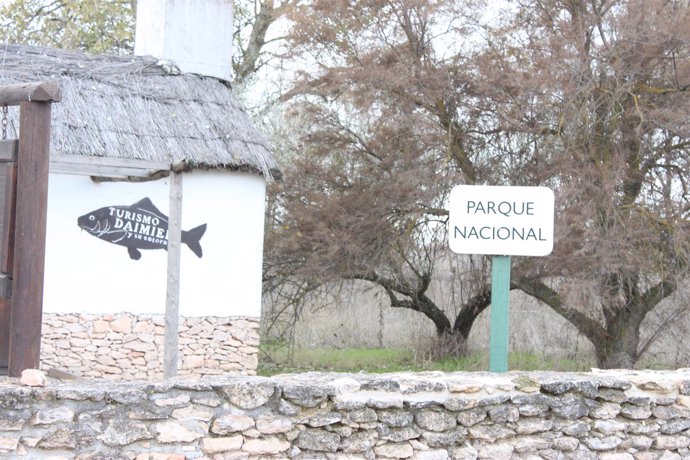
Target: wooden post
column 172, row 296
column 10, row 203
column 8, row 157
column 5, row 312
column 30, row 236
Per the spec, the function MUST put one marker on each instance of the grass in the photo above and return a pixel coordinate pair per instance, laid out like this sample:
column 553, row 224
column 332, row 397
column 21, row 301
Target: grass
column 328, row 360
column 378, row 360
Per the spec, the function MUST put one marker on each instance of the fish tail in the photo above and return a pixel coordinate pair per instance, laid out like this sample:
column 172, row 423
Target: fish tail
column 191, row 238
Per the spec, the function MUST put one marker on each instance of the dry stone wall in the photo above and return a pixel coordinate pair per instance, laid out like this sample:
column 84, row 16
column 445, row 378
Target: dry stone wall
column 130, row 347
column 607, row 415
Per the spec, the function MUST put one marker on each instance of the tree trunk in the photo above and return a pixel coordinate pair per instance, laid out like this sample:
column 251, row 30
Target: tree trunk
column 617, row 342
column 618, row 353
column 452, row 340
column 619, row 349
column 451, row 343
column 469, row 313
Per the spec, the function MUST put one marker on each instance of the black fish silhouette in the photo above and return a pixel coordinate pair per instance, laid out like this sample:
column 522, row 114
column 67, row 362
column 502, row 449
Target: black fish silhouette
column 139, row 226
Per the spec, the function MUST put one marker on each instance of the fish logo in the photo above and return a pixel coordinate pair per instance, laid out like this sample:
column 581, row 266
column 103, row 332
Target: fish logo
column 139, row 226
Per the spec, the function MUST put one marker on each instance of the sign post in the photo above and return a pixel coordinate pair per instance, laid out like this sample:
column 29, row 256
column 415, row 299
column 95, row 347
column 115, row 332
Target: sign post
column 500, row 295
column 501, row 221
column 23, row 253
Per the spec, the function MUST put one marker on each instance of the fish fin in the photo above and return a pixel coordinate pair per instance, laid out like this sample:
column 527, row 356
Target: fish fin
column 191, row 238
column 134, row 253
column 147, row 204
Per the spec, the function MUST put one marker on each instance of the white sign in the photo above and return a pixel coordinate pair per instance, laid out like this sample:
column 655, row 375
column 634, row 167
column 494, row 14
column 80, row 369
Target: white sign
column 501, row 220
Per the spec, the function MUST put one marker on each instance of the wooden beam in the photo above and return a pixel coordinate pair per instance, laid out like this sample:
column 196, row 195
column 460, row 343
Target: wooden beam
column 8, row 153
column 4, row 333
column 5, row 318
column 172, row 295
column 8, row 219
column 42, row 91
column 8, row 150
column 30, row 237
column 116, row 168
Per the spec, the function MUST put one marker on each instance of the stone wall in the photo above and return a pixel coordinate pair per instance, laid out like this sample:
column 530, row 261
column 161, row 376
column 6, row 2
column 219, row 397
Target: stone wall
column 129, row 347
column 608, row 415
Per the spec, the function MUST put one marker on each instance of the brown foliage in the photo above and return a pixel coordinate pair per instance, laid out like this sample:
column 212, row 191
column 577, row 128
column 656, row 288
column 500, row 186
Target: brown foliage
column 589, row 98
column 364, row 195
column 615, row 148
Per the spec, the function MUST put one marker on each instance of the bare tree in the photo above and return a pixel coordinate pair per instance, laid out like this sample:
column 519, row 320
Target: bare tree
column 108, row 27
column 254, row 45
column 598, row 92
column 72, row 24
column 587, row 97
column 379, row 138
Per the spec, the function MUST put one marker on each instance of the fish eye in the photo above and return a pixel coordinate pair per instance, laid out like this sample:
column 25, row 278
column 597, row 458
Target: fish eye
column 91, row 217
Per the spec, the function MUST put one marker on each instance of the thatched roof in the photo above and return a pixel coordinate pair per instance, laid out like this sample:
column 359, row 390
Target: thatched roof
column 130, row 107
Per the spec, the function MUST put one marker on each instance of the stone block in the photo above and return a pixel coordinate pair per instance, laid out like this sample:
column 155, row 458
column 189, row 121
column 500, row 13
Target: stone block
column 497, row 451
column 249, row 395
column 394, row 450
column 122, row 432
column 533, row 425
column 61, row 414
column 435, row 421
column 490, row 433
column 33, row 378
column 503, row 414
column 222, row 444
column 671, row 442
column 602, row 443
column 122, row 324
column 9, row 442
column 274, row 425
column 566, row 444
column 524, row 444
column 471, row 417
column 394, row 418
column 304, row 395
column 193, row 413
column 359, row 441
column 266, row 446
column 635, row 412
column 318, row 440
column 179, row 432
column 605, row 410
column 231, row 423
column 445, row 439
column 397, row 434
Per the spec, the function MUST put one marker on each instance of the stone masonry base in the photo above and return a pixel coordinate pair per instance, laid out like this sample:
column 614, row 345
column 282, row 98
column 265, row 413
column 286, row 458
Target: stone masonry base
column 129, row 347
column 622, row 415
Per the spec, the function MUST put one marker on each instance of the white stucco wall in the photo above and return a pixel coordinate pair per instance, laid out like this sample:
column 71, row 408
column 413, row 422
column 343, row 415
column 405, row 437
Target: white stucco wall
column 85, row 274
column 227, row 280
column 193, row 34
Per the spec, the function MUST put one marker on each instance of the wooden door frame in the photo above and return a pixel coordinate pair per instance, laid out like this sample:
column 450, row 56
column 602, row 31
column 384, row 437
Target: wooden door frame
column 28, row 249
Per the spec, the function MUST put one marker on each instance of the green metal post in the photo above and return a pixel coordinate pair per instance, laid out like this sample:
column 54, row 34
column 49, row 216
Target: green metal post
column 500, row 292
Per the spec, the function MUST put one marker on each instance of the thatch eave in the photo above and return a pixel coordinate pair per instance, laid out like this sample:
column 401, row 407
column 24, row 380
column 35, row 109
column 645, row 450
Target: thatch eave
column 138, row 108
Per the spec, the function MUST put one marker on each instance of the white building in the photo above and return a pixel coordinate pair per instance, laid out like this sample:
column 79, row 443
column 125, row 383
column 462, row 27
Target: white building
column 123, row 124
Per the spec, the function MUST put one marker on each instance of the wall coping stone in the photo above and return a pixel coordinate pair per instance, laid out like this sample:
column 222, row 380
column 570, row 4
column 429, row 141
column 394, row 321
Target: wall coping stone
column 318, row 415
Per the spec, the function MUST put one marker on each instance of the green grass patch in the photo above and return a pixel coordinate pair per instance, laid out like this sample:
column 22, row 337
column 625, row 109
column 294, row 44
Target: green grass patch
column 275, row 360
column 328, row 360
column 534, row 362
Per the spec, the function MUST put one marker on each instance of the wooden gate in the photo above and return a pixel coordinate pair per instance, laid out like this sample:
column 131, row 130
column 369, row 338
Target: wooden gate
column 22, row 251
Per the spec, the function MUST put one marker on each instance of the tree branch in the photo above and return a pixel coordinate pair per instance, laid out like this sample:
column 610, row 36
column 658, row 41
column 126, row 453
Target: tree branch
column 469, row 312
column 657, row 293
column 416, row 301
column 540, row 291
column 257, row 39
